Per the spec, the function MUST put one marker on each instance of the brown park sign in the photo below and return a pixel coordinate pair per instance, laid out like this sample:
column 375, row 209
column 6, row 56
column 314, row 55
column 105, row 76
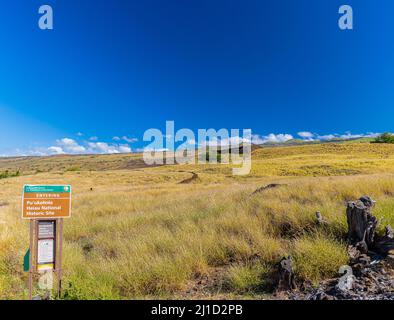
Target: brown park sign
column 46, row 202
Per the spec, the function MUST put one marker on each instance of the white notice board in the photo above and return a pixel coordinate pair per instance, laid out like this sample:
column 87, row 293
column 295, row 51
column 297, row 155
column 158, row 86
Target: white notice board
column 45, row 251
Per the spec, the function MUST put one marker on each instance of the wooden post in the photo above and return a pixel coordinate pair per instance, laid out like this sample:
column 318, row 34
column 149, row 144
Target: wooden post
column 31, row 270
column 59, row 259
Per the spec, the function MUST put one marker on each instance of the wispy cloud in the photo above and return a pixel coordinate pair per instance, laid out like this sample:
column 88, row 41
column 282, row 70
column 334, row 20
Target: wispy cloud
column 349, row 135
column 125, row 138
column 129, row 140
column 308, row 136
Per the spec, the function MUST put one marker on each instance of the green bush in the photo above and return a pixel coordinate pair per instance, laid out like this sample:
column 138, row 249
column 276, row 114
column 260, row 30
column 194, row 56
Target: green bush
column 6, row 174
column 385, row 138
column 73, row 169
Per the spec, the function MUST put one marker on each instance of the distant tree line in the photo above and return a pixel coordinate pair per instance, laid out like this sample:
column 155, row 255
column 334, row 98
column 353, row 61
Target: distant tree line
column 384, row 138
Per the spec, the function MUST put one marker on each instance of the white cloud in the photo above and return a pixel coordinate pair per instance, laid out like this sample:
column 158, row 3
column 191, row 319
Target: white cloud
column 66, row 142
column 327, row 137
column 372, row 134
column 346, row 136
column 271, row 138
column 256, row 139
column 70, row 146
column 56, row 150
column 124, row 149
column 125, row 138
column 146, row 149
column 103, row 147
column 79, row 134
column 306, row 135
column 129, row 140
column 223, row 142
column 349, row 135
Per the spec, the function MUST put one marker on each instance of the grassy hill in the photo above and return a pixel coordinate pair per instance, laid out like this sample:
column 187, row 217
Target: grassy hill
column 137, row 232
column 31, row 165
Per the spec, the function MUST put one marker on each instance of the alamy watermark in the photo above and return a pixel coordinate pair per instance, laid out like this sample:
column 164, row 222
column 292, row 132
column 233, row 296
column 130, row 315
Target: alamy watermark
column 45, row 22
column 345, row 21
column 208, row 146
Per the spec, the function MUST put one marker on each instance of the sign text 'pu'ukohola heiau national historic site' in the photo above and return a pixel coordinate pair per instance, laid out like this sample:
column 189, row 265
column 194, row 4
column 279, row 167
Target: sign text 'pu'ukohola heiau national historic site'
column 44, row 202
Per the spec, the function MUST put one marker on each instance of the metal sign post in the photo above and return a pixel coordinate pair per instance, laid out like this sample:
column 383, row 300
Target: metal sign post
column 46, row 206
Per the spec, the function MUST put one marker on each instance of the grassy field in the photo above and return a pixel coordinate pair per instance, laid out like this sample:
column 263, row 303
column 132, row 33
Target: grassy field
column 140, row 233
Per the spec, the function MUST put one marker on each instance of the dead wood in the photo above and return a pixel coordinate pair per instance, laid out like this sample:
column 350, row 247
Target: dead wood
column 191, row 179
column 286, row 279
column 361, row 223
column 268, row 186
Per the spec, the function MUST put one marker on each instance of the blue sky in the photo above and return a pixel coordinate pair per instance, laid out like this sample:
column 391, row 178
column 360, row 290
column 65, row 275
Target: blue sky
column 115, row 68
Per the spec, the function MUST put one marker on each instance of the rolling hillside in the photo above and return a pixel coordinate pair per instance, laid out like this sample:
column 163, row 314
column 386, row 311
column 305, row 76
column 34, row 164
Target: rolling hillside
column 138, row 232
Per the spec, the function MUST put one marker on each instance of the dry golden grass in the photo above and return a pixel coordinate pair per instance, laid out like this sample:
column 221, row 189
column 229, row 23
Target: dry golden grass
column 141, row 234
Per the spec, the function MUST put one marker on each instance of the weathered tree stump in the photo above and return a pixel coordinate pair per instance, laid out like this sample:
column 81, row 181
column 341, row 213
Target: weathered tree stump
column 361, row 223
column 286, row 279
column 362, row 228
